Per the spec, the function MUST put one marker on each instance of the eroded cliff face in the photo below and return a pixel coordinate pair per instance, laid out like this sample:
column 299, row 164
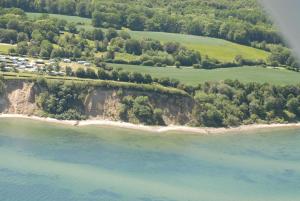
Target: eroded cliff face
column 19, row 98
column 104, row 103
column 100, row 103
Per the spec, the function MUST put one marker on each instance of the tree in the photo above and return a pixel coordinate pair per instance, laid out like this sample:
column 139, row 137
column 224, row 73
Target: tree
column 136, row 77
column 22, row 48
column 171, row 47
column 2, row 87
column 103, row 75
column 124, row 76
column 188, row 57
column 72, row 27
column 67, row 7
column 80, row 72
column 97, row 19
column 90, row 73
column 82, row 9
column 133, row 46
column 98, row 34
column 143, row 110
column 124, row 34
column 22, row 37
column 69, row 71
column 46, row 49
column 13, row 24
column 293, row 105
column 136, row 22
column 195, row 27
column 111, row 33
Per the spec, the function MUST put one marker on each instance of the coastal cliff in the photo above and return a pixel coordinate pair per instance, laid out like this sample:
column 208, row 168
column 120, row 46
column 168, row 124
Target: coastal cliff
column 21, row 97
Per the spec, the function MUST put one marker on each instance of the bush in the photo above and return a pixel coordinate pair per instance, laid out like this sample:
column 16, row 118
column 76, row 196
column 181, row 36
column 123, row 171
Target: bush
column 2, row 87
column 135, row 62
column 148, row 63
column 71, row 114
column 158, row 117
column 120, row 61
column 196, row 66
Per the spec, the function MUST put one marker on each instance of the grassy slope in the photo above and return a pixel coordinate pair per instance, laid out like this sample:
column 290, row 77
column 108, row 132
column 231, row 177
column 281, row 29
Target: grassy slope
column 216, row 48
column 244, row 74
column 98, row 83
column 68, row 18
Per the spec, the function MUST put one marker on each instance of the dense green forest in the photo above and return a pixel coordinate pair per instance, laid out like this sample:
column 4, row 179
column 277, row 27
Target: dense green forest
column 231, row 103
column 242, row 21
column 48, row 37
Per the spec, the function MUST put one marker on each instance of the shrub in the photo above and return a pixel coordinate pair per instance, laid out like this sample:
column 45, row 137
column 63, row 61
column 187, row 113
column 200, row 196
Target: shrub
column 2, row 87
column 135, row 62
column 196, row 66
column 148, row 63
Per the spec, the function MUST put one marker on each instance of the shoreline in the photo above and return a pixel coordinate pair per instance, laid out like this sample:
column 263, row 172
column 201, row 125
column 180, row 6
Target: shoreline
column 154, row 129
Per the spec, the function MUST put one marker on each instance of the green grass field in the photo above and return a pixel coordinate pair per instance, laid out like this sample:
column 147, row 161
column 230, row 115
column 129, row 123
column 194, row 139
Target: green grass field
column 195, row 76
column 216, row 48
column 5, row 47
column 75, row 19
column 212, row 47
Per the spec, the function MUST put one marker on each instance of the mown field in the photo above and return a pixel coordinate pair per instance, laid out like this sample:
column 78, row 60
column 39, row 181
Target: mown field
column 212, row 47
column 5, row 47
column 195, row 76
column 216, row 48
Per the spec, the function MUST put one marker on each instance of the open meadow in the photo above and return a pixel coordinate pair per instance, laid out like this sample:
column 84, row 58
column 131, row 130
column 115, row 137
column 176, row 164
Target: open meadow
column 195, row 76
column 4, row 48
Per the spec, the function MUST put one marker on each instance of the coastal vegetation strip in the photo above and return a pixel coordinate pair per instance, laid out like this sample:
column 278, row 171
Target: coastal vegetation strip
column 212, row 104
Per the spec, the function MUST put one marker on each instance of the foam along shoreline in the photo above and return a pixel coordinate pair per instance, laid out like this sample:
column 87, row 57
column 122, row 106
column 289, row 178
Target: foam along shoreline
column 155, row 129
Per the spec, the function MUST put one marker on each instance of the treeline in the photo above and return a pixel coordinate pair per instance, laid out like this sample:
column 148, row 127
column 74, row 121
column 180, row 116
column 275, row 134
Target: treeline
column 232, row 103
column 149, row 52
column 241, row 21
column 282, row 56
column 108, row 73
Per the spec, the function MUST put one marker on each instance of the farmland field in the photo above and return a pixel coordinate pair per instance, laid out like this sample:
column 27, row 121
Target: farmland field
column 196, row 76
column 216, row 48
column 212, row 47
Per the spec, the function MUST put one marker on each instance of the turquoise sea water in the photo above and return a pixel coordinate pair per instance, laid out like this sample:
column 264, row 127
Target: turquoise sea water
column 49, row 162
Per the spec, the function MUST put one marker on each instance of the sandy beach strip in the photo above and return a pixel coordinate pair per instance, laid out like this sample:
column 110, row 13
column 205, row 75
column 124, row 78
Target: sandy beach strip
column 155, row 129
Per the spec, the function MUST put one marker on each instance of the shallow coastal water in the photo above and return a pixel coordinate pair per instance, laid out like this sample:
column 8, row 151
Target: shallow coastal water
column 46, row 162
